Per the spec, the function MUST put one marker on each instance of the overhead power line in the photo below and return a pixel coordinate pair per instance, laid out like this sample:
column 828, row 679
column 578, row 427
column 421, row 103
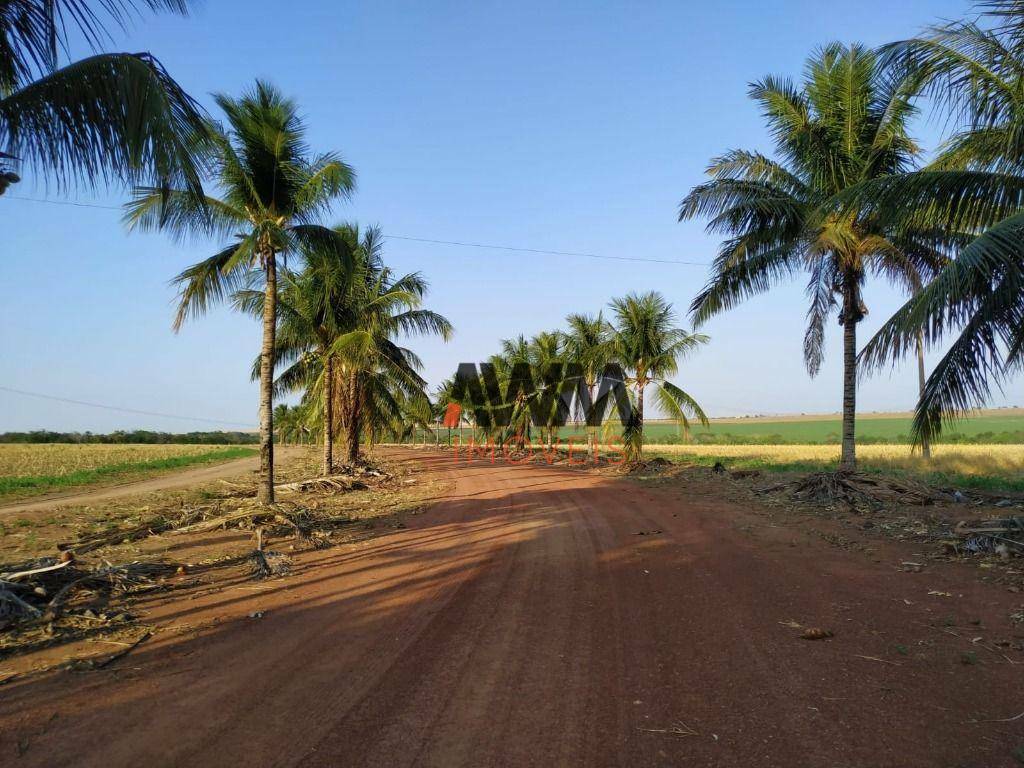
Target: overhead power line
column 411, row 238
column 72, row 203
column 122, row 410
column 548, row 253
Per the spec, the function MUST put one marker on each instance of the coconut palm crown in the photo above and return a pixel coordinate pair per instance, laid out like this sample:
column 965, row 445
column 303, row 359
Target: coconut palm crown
column 973, row 71
column 646, row 342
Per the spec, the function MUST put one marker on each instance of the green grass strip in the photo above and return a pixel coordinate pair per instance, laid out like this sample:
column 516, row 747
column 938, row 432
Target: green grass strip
column 89, row 476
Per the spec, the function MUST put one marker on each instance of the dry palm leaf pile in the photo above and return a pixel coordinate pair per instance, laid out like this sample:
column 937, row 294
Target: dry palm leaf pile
column 858, row 489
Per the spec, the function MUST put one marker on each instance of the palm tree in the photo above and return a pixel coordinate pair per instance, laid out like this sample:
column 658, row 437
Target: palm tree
column 417, row 413
column 108, row 117
column 645, row 341
column 377, row 381
column 516, row 414
column 281, row 414
column 975, row 186
column 272, row 193
column 586, row 345
column 290, row 421
column 847, row 124
column 311, row 313
column 545, row 352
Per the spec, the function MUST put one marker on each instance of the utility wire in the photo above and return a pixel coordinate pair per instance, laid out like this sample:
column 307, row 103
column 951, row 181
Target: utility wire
column 548, row 253
column 410, row 238
column 72, row 203
column 122, row 410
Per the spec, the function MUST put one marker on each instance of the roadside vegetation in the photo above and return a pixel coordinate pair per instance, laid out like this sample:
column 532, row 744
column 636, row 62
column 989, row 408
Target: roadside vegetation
column 134, row 437
column 270, row 192
column 848, row 195
column 982, row 467
column 890, row 430
column 30, row 469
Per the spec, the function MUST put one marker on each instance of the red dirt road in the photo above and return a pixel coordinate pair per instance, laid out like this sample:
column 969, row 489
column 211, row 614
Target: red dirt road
column 522, row 621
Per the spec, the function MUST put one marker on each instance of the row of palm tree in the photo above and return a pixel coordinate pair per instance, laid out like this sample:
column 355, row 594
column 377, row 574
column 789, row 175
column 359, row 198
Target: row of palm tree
column 845, row 198
column 120, row 118
column 640, row 336
column 338, row 325
column 271, row 193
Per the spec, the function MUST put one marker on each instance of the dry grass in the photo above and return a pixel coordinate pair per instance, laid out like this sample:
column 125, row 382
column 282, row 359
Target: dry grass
column 63, row 459
column 908, row 415
column 26, row 470
column 969, row 460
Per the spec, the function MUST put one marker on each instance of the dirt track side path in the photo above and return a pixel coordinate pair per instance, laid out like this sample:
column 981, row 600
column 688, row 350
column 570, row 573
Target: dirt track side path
column 546, row 617
column 175, row 480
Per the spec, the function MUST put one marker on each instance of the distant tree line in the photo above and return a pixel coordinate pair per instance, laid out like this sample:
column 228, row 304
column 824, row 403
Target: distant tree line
column 135, row 436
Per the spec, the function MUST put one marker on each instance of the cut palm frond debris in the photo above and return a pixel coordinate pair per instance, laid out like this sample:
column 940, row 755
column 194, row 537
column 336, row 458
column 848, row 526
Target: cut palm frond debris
column 855, row 488
column 323, row 485
column 46, row 590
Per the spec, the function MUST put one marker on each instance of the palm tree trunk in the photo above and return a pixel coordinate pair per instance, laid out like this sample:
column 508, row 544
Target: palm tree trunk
column 352, row 435
column 265, row 494
column 592, row 447
column 926, row 446
column 848, row 458
column 639, row 422
column 328, row 467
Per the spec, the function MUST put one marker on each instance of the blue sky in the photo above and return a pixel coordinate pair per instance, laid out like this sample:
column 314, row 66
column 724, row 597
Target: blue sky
column 563, row 126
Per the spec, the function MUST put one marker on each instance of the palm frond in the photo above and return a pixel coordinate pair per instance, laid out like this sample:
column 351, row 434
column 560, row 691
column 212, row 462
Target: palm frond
column 111, row 117
column 679, row 405
column 212, row 280
column 182, row 213
column 33, row 33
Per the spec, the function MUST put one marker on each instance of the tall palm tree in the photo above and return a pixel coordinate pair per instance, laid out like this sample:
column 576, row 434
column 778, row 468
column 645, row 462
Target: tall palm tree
column 975, row 71
column 587, row 345
column 108, row 117
column 847, row 123
column 646, row 342
column 272, row 194
column 545, row 351
column 516, row 415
